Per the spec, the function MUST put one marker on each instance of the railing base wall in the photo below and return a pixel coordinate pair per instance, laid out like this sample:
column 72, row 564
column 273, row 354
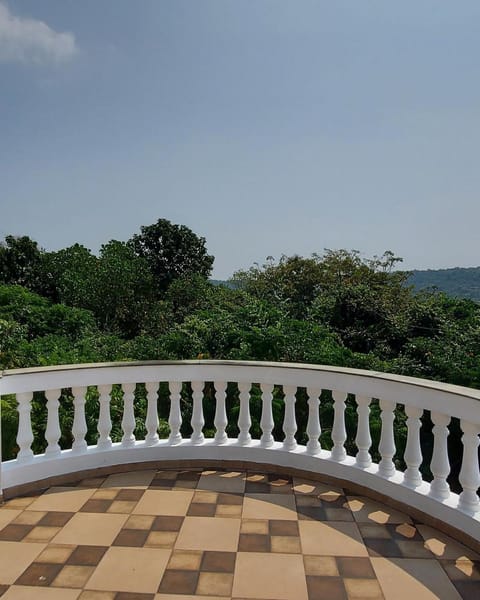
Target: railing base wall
column 40, row 473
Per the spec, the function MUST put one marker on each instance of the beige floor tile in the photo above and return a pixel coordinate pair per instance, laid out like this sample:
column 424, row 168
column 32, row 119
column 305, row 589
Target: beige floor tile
column 29, row 517
column 365, row 510
column 229, row 510
column 285, row 544
column 421, row 579
column 55, row 554
column 205, row 497
column 139, row 522
column 73, row 576
column 91, row 529
column 185, row 560
column 25, row 592
column 209, row 533
column 105, row 494
column 321, row 566
column 15, row 558
column 42, row 534
column 131, row 479
column 164, row 502
column 363, row 589
column 20, row 502
column 182, row 597
column 215, row 584
column 216, row 481
column 331, row 539
column 130, row 570
column 96, row 595
column 8, row 515
column 161, row 539
column 65, row 499
column 443, row 546
column 259, row 526
column 269, row 506
column 272, row 576
column 121, row 507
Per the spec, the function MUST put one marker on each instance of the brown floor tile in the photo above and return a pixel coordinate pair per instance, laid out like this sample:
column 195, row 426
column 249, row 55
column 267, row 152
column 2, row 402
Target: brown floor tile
column 55, row 519
column 96, row 506
column 87, row 555
column 445, row 547
column 363, row 589
column 338, row 514
column 283, row 528
column 105, row 494
column 3, row 589
column 205, row 497
column 257, row 487
column 221, row 562
column 215, row 584
column 161, row 484
column 380, row 547
column 311, row 513
column 185, row 560
column 14, row 533
column 39, row 574
column 134, row 538
column 129, row 495
column 179, row 582
column 352, row 567
column 326, row 587
column 73, row 576
column 254, row 543
column 201, row 510
column 188, row 475
column 93, row 482
column 462, row 570
column 167, row 524
column 321, row 565
column 224, row 498
column 129, row 479
column 468, row 590
column 218, row 481
column 134, row 596
column 365, row 510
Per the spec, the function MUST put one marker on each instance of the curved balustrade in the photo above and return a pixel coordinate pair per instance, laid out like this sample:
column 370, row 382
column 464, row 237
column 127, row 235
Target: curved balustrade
column 395, row 395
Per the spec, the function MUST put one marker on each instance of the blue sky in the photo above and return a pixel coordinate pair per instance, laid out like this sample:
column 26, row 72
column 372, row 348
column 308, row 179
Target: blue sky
column 269, row 127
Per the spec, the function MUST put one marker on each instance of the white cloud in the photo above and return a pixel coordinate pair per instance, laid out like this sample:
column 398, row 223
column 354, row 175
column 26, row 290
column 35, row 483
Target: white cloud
column 31, row 41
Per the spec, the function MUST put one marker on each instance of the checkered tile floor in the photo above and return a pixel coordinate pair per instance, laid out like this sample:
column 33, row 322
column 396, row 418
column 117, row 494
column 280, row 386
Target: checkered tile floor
column 188, row 535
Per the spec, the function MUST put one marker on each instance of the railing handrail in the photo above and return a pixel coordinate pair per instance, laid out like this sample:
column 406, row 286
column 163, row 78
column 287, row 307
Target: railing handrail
column 456, row 401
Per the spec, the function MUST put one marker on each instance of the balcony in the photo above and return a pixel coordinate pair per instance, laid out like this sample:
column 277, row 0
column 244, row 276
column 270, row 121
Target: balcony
column 344, row 521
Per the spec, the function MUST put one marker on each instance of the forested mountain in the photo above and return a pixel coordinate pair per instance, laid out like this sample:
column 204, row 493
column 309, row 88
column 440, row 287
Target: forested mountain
column 462, row 282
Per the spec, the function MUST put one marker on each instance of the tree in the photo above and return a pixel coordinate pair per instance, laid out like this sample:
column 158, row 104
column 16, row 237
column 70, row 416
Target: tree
column 171, row 251
column 20, row 259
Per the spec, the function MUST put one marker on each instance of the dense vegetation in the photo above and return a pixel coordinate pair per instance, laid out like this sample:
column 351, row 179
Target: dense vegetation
column 463, row 282
column 150, row 298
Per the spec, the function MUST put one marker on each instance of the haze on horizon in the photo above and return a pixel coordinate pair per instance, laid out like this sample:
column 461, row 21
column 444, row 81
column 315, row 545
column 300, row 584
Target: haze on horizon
column 269, row 127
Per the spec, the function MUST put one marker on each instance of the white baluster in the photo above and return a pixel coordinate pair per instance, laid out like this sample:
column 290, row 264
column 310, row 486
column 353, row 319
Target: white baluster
column 289, row 421
column 440, row 465
column 363, row 439
column 175, row 416
column 104, row 426
column 151, row 421
column 244, row 421
column 469, row 473
column 220, row 420
column 339, row 434
column 386, row 467
column 79, row 428
column 313, row 426
column 197, row 421
column 52, row 432
column 266, row 422
column 412, row 477
column 25, row 433
column 128, row 420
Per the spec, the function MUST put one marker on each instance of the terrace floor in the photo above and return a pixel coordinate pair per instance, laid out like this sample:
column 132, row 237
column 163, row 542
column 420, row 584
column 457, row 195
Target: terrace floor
column 188, row 535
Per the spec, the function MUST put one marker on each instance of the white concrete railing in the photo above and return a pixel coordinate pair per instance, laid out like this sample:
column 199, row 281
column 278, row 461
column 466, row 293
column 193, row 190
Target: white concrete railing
column 416, row 396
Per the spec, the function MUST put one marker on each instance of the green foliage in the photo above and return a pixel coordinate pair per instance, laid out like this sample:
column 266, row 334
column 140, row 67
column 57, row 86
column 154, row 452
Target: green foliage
column 171, row 251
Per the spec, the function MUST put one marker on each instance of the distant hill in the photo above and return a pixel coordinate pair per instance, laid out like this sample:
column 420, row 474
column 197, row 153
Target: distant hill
column 463, row 282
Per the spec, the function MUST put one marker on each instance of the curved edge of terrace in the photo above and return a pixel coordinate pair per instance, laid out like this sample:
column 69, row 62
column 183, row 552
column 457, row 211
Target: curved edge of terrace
column 434, row 501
